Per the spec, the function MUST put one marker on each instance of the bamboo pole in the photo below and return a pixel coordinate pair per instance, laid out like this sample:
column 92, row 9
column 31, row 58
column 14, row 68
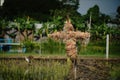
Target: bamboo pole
column 107, row 46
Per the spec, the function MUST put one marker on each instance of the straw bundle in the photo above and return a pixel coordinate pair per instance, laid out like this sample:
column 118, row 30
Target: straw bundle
column 82, row 35
column 71, row 49
column 69, row 37
column 55, row 35
column 68, row 27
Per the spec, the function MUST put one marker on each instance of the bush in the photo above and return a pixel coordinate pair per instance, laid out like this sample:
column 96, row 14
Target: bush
column 31, row 46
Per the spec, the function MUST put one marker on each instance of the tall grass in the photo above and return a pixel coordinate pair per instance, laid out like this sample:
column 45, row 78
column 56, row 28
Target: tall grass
column 37, row 70
column 98, row 48
column 54, row 70
column 52, row 47
column 93, row 48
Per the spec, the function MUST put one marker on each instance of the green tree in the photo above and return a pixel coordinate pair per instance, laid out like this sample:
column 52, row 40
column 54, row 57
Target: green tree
column 94, row 12
column 38, row 9
column 99, row 20
column 118, row 11
column 24, row 26
column 59, row 16
column 100, row 32
column 3, row 25
column 97, row 17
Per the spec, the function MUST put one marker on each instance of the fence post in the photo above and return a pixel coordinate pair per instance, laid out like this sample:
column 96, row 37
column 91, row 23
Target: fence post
column 107, row 46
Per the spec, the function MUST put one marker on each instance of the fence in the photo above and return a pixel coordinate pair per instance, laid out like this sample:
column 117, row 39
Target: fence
column 7, row 44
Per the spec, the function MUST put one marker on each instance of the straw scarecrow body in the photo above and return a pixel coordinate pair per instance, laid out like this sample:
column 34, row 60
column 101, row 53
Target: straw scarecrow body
column 69, row 37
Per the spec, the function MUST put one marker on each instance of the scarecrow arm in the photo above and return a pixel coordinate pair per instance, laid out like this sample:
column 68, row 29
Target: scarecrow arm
column 55, row 36
column 82, row 35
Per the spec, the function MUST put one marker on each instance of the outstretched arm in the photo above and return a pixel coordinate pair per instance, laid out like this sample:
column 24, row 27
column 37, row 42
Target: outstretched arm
column 55, row 35
column 82, row 35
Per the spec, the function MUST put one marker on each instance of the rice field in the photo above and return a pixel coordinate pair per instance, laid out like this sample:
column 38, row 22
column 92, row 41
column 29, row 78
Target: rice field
column 58, row 69
column 36, row 70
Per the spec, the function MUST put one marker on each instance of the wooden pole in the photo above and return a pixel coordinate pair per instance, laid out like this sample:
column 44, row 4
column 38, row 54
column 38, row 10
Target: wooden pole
column 1, row 2
column 107, row 46
column 75, row 68
column 90, row 21
column 75, row 72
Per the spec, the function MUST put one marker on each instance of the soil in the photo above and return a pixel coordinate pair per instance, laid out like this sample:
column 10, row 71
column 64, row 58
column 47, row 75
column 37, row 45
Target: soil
column 94, row 69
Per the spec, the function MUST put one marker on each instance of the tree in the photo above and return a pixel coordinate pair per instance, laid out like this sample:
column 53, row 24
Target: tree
column 3, row 25
column 118, row 11
column 25, row 26
column 94, row 12
column 38, row 9
column 98, row 22
column 100, row 32
column 60, row 15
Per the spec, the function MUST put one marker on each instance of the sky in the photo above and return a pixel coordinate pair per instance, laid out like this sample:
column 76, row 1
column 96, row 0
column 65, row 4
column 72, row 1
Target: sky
column 108, row 7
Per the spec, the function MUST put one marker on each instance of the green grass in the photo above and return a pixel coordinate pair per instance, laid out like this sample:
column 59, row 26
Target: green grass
column 45, row 70
column 98, row 49
column 39, row 70
column 30, row 54
column 51, row 48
